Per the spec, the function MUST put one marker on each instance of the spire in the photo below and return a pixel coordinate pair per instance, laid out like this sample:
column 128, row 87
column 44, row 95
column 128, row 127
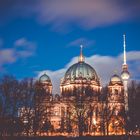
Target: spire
column 124, row 47
column 81, row 57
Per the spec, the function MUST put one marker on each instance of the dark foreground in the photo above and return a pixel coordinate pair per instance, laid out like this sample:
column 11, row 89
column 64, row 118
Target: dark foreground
column 74, row 138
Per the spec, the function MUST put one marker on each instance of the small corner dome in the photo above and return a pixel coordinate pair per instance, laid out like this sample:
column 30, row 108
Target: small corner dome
column 115, row 78
column 44, row 78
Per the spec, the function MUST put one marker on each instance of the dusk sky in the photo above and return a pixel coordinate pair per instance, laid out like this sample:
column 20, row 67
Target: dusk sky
column 38, row 36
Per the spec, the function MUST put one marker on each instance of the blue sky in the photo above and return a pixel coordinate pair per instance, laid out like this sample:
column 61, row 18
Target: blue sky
column 42, row 35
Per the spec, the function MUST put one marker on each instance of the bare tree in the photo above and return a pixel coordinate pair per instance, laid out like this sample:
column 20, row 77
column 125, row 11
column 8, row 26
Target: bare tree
column 133, row 118
column 10, row 99
column 42, row 106
column 80, row 111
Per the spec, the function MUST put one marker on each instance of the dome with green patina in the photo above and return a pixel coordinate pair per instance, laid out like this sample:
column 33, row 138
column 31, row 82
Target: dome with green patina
column 115, row 79
column 81, row 70
column 44, row 78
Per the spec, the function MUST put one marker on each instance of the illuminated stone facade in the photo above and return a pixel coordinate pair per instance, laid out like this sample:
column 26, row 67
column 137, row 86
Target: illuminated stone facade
column 83, row 107
column 116, row 105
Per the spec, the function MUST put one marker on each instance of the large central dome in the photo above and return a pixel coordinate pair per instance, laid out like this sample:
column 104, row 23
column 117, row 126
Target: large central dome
column 81, row 70
column 80, row 76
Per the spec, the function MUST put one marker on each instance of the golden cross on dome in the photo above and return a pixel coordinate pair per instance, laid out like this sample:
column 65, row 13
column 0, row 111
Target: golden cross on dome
column 81, row 58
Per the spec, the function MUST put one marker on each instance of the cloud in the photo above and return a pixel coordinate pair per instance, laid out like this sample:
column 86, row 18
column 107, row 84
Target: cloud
column 61, row 14
column 104, row 66
column 24, row 47
column 86, row 14
column 21, row 42
column 7, row 55
column 21, row 49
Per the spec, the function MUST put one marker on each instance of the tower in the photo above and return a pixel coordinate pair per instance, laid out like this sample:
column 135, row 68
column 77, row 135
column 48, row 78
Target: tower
column 125, row 75
column 46, row 83
column 115, row 105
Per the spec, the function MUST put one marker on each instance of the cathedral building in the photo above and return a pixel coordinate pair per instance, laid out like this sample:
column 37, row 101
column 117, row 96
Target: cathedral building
column 83, row 106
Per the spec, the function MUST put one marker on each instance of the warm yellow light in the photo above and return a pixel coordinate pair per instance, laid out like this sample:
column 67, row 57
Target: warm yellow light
column 94, row 121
